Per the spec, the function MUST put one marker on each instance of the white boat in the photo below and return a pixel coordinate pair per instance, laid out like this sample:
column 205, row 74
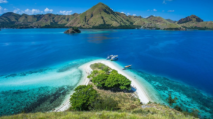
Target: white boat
column 115, row 57
column 109, row 57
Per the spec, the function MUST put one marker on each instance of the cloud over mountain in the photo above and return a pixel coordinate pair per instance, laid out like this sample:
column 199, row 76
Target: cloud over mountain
column 66, row 12
column 48, row 10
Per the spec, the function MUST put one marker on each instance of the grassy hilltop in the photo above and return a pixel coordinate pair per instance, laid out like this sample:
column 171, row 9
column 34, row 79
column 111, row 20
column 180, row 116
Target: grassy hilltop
column 194, row 22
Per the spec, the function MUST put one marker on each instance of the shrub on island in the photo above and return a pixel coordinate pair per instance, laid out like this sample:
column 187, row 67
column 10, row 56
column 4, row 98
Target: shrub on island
column 100, row 80
column 86, row 98
column 114, row 80
column 118, row 81
column 83, row 98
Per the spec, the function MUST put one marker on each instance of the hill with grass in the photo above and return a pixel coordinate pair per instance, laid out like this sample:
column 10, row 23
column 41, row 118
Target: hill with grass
column 192, row 18
column 100, row 16
column 103, row 16
column 12, row 20
column 194, row 22
column 161, row 23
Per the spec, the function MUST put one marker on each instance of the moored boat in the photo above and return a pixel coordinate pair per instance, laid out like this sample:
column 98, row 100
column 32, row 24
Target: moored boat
column 109, row 57
column 115, row 57
column 127, row 67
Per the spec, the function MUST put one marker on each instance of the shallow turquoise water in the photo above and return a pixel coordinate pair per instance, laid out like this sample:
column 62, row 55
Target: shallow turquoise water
column 38, row 63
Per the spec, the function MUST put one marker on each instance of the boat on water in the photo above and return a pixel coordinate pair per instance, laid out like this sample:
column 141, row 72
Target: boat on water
column 114, row 58
column 127, row 67
column 109, row 57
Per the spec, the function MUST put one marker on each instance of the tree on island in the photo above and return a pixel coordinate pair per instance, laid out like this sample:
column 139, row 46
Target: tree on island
column 171, row 100
column 116, row 80
column 83, row 98
column 100, row 80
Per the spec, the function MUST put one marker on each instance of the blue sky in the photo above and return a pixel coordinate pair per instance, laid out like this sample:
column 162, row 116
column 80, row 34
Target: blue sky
column 173, row 9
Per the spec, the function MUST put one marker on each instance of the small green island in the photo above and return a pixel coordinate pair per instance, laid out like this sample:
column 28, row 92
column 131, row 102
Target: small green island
column 109, row 95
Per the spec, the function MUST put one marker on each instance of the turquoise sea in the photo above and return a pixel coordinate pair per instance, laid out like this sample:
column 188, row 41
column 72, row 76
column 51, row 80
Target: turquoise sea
column 39, row 67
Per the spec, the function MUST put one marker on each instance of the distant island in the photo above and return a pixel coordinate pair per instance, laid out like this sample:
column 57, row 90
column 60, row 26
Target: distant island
column 72, row 30
column 101, row 16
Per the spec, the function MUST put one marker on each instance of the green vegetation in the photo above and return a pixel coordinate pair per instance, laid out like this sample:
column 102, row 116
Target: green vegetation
column 192, row 18
column 117, row 81
column 113, row 80
column 100, row 16
column 100, row 80
column 83, row 98
column 108, row 26
column 12, row 20
column 194, row 22
column 55, row 25
column 171, row 100
column 92, row 102
column 159, row 112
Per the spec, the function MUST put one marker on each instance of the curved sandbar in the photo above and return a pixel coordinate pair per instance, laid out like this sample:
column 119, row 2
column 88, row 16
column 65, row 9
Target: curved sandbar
column 86, row 70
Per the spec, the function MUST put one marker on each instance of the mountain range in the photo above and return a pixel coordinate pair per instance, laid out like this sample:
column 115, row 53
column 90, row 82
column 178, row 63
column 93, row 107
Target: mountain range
column 100, row 16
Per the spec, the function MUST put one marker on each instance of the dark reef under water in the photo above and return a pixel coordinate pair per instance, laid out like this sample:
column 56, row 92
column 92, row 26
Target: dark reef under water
column 33, row 100
column 189, row 98
column 40, row 97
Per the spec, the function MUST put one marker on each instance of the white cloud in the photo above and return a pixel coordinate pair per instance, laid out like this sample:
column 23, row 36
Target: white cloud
column 16, row 10
column 33, row 11
column 128, row 13
column 134, row 14
column 123, row 12
column 27, row 11
column 3, row 1
column 171, row 10
column 2, row 10
column 154, row 10
column 48, row 10
column 66, row 12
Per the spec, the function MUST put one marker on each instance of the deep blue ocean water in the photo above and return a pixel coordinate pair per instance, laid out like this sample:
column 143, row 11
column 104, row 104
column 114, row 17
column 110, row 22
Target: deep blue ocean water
column 36, row 61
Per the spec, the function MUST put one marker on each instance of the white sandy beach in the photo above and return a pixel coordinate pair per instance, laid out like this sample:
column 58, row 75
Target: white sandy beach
column 86, row 70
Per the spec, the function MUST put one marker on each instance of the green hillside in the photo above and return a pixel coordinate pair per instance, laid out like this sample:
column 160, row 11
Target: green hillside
column 98, row 15
column 161, row 23
column 101, row 14
column 192, row 18
column 152, row 112
column 17, row 21
column 194, row 22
